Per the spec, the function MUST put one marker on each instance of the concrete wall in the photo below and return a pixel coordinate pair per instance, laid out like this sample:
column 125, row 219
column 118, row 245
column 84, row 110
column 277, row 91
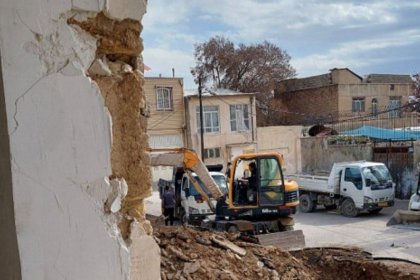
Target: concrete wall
column 9, row 252
column 381, row 92
column 317, row 155
column 344, row 76
column 61, row 149
column 285, row 140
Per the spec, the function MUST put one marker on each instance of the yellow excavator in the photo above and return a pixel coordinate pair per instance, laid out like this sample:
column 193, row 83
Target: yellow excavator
column 259, row 201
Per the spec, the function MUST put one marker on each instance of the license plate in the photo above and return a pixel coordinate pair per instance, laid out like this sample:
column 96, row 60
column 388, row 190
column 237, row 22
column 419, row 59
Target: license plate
column 383, row 204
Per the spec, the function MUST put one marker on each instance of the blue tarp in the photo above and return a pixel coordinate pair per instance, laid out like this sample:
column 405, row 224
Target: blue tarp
column 382, row 133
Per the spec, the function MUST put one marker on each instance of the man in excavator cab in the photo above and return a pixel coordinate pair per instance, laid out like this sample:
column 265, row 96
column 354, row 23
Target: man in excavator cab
column 248, row 185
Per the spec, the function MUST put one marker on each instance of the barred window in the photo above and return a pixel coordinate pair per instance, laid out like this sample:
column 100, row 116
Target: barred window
column 395, row 106
column 358, row 104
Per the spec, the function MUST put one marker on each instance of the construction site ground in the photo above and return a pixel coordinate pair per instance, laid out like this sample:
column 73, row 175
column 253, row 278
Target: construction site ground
column 336, row 248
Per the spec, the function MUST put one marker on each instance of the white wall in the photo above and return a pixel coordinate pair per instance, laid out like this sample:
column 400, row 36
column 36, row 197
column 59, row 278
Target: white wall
column 60, row 144
column 285, row 140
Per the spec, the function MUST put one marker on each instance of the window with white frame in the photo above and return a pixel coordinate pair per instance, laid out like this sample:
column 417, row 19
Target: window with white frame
column 163, row 99
column 210, row 118
column 239, row 117
column 394, row 106
column 358, row 104
column 212, row 153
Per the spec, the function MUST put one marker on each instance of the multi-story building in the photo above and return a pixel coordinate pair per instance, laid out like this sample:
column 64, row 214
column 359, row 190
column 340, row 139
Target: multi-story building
column 343, row 95
column 166, row 122
column 229, row 124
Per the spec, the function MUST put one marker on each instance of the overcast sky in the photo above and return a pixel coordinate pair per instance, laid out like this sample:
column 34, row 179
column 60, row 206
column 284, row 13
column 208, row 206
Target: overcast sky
column 365, row 36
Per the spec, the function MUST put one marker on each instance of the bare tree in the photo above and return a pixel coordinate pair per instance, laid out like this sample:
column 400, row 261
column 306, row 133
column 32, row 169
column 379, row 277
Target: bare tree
column 246, row 68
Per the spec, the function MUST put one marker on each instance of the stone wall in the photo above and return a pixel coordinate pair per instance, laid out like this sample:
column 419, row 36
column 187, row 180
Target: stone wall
column 317, row 155
column 73, row 104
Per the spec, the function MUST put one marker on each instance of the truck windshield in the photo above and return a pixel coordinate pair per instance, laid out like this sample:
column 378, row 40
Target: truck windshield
column 219, row 179
column 379, row 176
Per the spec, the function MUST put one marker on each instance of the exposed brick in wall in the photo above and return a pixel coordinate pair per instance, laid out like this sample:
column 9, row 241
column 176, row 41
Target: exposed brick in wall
column 309, row 105
column 304, row 83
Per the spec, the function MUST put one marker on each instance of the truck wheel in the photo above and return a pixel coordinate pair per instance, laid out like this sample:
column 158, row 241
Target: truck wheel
column 348, row 209
column 306, row 205
column 183, row 217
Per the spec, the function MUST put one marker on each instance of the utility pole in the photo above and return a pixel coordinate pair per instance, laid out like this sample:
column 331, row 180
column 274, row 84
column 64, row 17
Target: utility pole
column 201, row 118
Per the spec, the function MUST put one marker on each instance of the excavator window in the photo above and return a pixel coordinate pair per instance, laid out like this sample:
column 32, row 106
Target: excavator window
column 258, row 181
column 246, row 183
column 271, row 183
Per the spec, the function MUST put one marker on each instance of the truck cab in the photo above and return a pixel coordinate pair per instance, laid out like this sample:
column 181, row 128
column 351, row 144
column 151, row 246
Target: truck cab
column 351, row 186
column 194, row 207
column 366, row 186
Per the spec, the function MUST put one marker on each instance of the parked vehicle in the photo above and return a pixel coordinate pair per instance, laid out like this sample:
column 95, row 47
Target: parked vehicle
column 351, row 186
column 414, row 204
column 194, row 208
column 410, row 217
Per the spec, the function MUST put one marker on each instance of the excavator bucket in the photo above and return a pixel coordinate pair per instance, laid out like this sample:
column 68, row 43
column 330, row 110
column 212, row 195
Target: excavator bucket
column 405, row 219
column 285, row 240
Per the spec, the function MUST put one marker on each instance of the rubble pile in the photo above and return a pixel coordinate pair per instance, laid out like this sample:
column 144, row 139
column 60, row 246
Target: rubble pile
column 192, row 253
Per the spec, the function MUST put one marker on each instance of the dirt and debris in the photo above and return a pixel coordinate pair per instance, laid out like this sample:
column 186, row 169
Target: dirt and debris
column 192, row 253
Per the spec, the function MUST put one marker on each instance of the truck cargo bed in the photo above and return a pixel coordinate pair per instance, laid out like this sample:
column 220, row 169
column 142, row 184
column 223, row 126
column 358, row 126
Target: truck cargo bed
column 312, row 183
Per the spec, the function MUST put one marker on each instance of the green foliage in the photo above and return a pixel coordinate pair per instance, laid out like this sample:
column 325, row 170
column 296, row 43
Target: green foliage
column 347, row 140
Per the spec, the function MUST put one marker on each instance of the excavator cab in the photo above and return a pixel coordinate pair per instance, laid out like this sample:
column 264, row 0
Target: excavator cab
column 257, row 182
column 257, row 189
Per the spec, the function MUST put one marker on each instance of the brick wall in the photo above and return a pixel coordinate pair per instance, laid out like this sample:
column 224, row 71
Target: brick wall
column 309, row 106
column 304, row 83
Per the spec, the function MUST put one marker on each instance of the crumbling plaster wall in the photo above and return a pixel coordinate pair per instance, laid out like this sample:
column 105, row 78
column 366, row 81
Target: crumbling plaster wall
column 64, row 145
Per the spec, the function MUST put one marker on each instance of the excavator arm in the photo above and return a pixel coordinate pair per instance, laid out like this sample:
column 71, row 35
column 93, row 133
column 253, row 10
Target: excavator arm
column 190, row 161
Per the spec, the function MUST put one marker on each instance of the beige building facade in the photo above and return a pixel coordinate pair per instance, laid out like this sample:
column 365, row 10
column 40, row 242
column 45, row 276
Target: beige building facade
column 229, row 120
column 342, row 95
column 166, row 117
column 165, row 102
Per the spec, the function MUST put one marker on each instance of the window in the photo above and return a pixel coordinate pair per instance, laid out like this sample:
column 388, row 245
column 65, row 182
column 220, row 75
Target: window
column 353, row 175
column 239, row 117
column 395, row 106
column 212, row 153
column 374, row 107
column 164, row 99
column 391, row 87
column 210, row 118
column 358, row 104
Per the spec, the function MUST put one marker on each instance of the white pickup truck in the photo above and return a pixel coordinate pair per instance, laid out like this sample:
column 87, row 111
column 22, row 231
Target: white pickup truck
column 195, row 209
column 351, row 186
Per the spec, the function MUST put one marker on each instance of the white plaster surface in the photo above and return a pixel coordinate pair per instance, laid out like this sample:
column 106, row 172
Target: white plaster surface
column 60, row 142
column 88, row 5
column 121, row 9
